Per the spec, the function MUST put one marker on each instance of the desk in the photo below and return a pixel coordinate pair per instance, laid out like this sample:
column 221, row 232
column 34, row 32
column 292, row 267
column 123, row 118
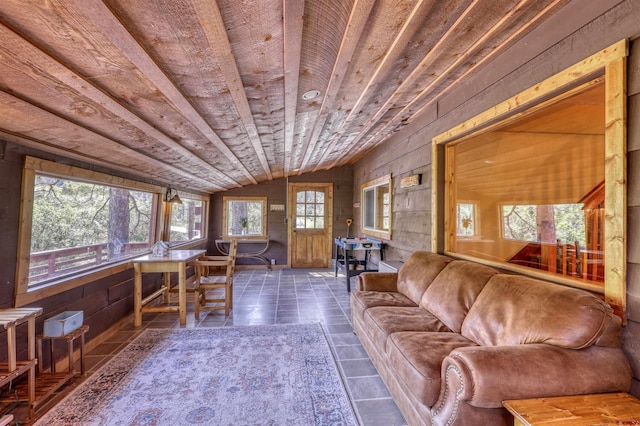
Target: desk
column 257, row 253
column 174, row 261
column 577, row 410
column 345, row 259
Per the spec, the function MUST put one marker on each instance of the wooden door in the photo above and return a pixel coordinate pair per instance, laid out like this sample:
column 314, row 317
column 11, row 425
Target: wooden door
column 310, row 208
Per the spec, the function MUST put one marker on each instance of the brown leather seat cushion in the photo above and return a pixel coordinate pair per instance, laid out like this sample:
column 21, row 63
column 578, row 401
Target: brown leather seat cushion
column 382, row 321
column 417, row 357
column 363, row 300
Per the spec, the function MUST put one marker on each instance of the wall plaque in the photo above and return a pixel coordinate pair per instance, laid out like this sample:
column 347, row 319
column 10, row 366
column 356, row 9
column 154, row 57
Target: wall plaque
column 412, row 180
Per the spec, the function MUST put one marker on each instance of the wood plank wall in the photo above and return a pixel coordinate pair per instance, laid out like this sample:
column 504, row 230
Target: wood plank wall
column 580, row 30
column 276, row 193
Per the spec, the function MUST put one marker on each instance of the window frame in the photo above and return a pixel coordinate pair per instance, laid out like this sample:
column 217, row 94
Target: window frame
column 610, row 63
column 225, row 209
column 378, row 207
column 168, row 210
column 32, row 166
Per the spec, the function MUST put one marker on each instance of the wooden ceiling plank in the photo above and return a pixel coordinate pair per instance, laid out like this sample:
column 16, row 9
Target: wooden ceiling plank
column 378, row 135
column 215, row 31
column 293, row 18
column 403, row 38
column 67, row 77
column 111, row 27
column 15, row 122
column 410, row 79
column 357, row 21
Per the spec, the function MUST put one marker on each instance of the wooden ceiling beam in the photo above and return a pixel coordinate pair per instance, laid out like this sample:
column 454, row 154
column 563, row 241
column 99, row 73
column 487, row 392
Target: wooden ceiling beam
column 215, row 31
column 111, row 27
column 26, row 53
column 357, row 21
column 401, row 116
column 403, row 38
column 293, row 19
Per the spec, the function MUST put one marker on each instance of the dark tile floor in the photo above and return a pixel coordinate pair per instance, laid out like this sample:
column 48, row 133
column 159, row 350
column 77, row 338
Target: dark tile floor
column 287, row 296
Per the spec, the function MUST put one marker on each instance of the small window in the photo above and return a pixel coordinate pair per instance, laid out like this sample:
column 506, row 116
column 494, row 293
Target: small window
column 376, row 207
column 466, row 218
column 310, row 209
column 245, row 217
column 188, row 220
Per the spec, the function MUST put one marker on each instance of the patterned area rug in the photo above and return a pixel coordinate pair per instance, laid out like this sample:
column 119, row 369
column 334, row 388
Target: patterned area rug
column 253, row 375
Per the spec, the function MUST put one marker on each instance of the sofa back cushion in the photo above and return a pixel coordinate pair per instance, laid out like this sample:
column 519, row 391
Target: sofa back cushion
column 513, row 310
column 454, row 290
column 417, row 273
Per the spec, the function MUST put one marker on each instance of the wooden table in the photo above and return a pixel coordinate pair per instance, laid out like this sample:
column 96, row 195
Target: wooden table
column 576, row 410
column 174, row 261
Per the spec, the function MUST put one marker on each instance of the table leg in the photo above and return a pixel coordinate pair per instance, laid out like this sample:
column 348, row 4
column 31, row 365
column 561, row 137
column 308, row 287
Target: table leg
column 182, row 292
column 39, row 367
column 51, row 357
column 31, row 337
column 137, row 295
column 167, row 286
column 347, row 256
column 82, row 354
column 70, row 354
column 11, row 347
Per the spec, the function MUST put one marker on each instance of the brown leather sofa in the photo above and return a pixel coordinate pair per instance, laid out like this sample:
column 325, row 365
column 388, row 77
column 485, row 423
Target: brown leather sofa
column 452, row 339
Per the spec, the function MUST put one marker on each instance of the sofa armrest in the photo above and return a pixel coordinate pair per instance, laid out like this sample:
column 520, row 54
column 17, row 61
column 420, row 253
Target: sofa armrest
column 378, row 281
column 491, row 374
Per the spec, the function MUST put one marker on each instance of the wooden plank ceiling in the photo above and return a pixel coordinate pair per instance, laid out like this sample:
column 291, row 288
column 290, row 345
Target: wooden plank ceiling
column 207, row 95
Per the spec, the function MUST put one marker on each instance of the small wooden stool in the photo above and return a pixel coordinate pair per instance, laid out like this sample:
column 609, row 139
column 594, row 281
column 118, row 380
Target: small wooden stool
column 70, row 338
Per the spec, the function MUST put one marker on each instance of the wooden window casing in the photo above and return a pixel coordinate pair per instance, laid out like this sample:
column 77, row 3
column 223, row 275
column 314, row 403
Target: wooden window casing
column 255, row 230
column 23, row 292
column 610, row 65
column 376, row 207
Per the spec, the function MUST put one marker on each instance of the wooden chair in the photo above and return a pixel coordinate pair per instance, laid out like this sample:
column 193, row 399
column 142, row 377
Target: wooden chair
column 207, row 280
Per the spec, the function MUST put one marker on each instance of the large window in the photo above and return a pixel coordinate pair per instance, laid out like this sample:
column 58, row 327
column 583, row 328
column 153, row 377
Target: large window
column 244, row 217
column 75, row 222
column 546, row 172
column 376, row 207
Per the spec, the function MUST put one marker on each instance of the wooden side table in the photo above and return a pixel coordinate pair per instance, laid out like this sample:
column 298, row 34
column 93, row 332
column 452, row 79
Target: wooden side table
column 70, row 338
column 576, row 410
column 48, row 383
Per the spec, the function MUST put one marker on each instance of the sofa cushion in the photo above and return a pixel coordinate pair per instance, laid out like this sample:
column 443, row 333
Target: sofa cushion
column 382, row 321
column 417, row 273
column 454, row 290
column 513, row 310
column 363, row 300
column 416, row 358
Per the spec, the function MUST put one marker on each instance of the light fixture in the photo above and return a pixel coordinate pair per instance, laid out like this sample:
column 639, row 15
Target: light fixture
column 172, row 196
column 311, row 94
